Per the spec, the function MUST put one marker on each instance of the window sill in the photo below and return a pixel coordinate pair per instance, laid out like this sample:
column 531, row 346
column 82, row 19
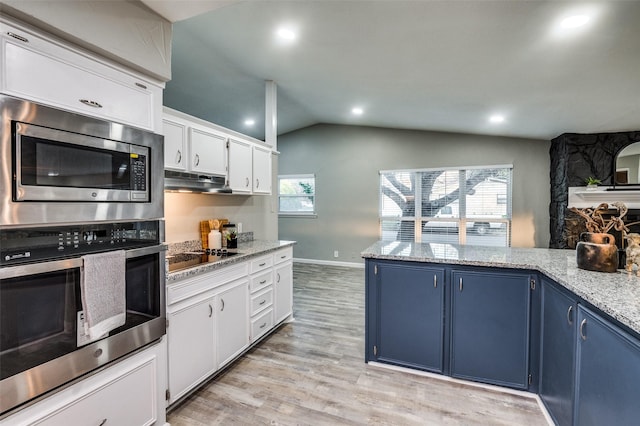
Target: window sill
column 299, row 215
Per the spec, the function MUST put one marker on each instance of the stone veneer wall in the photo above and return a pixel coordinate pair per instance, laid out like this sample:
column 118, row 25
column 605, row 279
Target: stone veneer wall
column 574, row 157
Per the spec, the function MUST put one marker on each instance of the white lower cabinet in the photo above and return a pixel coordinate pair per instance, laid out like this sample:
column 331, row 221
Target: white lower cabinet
column 214, row 317
column 283, row 284
column 191, row 346
column 131, row 392
column 232, row 322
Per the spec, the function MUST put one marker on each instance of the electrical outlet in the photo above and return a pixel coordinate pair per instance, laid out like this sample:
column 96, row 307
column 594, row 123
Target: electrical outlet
column 336, row 254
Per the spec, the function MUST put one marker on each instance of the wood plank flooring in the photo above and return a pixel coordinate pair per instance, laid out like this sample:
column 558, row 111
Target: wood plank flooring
column 312, row 372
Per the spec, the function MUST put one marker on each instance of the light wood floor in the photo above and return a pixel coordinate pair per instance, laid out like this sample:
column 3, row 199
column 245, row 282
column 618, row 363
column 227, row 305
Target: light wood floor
column 312, row 372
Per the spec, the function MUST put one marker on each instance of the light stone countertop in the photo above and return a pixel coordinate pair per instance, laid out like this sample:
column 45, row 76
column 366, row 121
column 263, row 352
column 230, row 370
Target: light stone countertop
column 617, row 294
column 245, row 251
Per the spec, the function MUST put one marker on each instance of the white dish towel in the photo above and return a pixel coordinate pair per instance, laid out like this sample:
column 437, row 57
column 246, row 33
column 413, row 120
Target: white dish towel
column 103, row 290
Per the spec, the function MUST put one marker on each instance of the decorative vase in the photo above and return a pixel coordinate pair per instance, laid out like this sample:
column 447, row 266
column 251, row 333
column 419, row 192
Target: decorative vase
column 592, row 187
column 597, row 252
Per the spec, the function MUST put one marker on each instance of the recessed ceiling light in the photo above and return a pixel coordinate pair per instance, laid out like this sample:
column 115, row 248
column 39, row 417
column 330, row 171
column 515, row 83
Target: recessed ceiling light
column 496, row 119
column 249, row 122
column 357, row 111
column 286, row 34
column 574, row 21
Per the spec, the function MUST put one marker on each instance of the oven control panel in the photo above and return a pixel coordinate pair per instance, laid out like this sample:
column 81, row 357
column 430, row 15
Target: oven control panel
column 26, row 245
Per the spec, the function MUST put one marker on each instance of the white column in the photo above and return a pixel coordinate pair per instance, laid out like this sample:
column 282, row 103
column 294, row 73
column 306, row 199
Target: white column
column 271, row 114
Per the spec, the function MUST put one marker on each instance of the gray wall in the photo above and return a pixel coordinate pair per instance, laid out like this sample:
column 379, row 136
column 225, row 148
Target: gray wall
column 346, row 161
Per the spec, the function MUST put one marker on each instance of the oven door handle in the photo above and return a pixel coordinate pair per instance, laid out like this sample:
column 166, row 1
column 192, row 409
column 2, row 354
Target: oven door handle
column 75, row 262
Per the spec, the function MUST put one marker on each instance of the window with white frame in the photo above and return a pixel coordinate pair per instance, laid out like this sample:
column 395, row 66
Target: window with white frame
column 468, row 205
column 297, row 194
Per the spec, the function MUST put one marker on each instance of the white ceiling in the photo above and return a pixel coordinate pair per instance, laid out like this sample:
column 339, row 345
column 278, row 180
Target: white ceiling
column 436, row 65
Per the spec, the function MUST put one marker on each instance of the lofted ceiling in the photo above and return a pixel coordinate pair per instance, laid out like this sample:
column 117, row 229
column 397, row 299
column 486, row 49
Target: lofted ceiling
column 432, row 65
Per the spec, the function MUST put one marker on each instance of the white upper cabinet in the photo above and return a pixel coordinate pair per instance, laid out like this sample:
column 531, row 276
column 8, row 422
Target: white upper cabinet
column 197, row 146
column 41, row 69
column 175, row 144
column 261, row 170
column 240, row 167
column 207, row 152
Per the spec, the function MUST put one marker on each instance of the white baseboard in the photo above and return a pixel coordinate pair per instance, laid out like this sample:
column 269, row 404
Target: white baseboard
column 330, row 263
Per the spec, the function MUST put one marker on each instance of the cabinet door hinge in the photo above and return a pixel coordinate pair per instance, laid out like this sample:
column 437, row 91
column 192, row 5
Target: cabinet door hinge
column 530, row 379
column 167, row 394
column 375, row 350
column 532, row 283
column 375, row 269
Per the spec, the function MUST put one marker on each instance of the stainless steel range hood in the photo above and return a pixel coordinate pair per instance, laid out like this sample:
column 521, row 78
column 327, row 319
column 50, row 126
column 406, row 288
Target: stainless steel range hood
column 195, row 183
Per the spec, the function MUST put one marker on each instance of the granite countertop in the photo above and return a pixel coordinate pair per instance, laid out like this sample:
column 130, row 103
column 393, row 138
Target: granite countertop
column 617, row 294
column 246, row 250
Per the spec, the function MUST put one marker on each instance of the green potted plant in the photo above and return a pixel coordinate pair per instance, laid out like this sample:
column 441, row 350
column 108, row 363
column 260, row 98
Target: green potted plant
column 592, row 183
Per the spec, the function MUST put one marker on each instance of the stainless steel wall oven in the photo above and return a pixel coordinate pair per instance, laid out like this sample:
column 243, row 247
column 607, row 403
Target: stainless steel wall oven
column 75, row 189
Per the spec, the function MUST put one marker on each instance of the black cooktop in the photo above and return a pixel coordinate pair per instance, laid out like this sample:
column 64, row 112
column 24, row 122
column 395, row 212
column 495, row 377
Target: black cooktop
column 194, row 258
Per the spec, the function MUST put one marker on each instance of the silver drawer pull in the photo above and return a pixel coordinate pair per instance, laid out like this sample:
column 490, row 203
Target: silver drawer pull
column 263, row 281
column 569, row 315
column 263, row 325
column 18, row 37
column 582, row 326
column 283, row 257
column 263, row 302
column 140, row 85
column 262, row 264
column 435, row 281
column 103, row 422
column 92, row 104
column 460, row 283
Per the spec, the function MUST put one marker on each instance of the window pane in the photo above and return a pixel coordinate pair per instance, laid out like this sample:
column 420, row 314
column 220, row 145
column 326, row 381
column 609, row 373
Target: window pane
column 296, row 204
column 297, row 186
column 488, row 234
column 487, row 194
column 397, row 194
column 397, row 230
column 439, row 232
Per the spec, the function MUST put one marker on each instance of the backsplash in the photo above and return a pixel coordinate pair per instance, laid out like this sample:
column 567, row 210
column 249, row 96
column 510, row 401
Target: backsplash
column 193, row 245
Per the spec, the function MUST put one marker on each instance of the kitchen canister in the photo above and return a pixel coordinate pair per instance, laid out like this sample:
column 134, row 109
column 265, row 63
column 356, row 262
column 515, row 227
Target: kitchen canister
column 597, row 252
column 215, row 239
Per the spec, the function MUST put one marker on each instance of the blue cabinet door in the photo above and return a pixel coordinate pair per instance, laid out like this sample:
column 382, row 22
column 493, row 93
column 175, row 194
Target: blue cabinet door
column 490, row 327
column 608, row 373
column 410, row 316
column 557, row 352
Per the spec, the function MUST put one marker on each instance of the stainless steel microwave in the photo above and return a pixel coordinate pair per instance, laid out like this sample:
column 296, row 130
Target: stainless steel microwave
column 61, row 167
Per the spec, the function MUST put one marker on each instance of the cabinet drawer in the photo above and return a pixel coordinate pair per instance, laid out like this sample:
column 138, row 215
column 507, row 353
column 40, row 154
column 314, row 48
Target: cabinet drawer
column 260, row 264
column 283, row 255
column 260, row 281
column 204, row 282
column 262, row 300
column 128, row 400
column 261, row 324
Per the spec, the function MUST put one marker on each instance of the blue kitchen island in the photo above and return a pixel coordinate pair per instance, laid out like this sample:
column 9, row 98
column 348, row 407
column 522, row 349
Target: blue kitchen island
column 522, row 318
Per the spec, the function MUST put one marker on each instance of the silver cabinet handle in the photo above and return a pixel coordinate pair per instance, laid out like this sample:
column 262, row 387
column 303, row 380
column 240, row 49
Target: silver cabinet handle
column 103, row 422
column 263, row 302
column 210, row 311
column 197, row 159
column 140, row 85
column 222, row 308
column 247, row 183
column 90, row 103
column 569, row 315
column 262, row 264
column 283, row 256
column 582, row 325
column 263, row 325
column 435, row 281
column 18, row 37
column 278, row 274
column 257, row 183
column 178, row 157
column 263, row 281
column 460, row 283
